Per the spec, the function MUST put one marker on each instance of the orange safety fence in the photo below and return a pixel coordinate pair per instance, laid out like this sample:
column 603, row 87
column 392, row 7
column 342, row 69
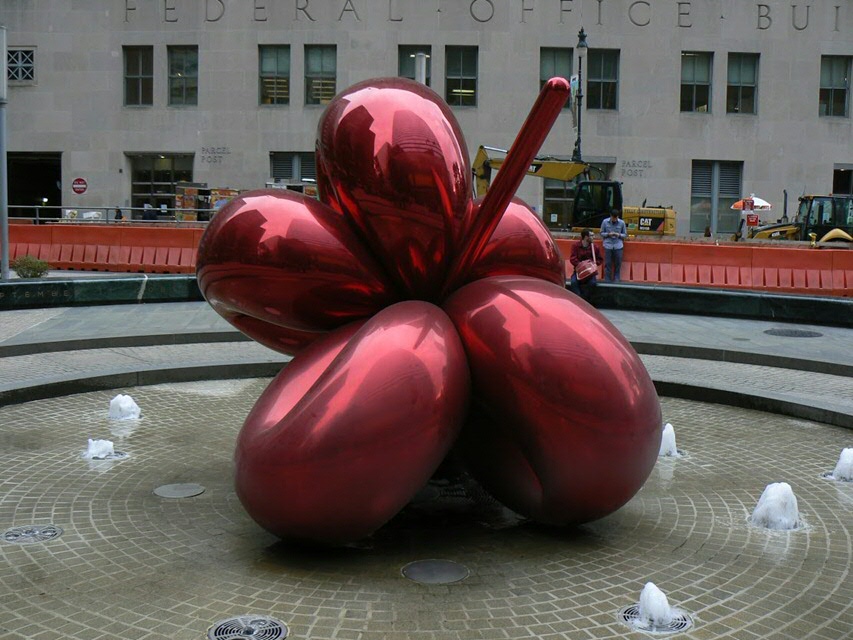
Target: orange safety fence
column 108, row 248
column 787, row 269
column 799, row 269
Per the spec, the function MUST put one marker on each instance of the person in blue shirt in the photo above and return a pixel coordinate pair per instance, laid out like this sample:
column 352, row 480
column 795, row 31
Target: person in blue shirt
column 613, row 234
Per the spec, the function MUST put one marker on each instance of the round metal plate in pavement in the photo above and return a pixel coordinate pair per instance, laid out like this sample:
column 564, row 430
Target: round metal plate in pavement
column 435, row 571
column 32, row 533
column 241, row 627
column 793, row 333
column 184, row 490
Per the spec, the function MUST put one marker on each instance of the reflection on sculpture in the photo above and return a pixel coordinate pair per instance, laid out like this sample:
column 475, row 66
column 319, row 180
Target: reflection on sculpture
column 419, row 320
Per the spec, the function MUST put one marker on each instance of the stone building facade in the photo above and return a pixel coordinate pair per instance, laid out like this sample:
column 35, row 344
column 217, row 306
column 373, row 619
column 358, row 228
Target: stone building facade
column 690, row 103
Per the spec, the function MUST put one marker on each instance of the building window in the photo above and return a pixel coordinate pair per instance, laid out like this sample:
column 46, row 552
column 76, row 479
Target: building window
column 21, row 65
column 292, row 166
column 138, row 76
column 461, row 76
column 842, row 181
column 602, row 82
column 153, row 179
column 834, row 85
column 714, row 188
column 183, row 76
column 274, row 63
column 742, row 83
column 406, row 61
column 696, row 81
column 321, row 71
column 554, row 62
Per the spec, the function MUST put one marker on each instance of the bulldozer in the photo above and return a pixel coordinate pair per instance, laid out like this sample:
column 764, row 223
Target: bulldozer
column 594, row 196
column 819, row 219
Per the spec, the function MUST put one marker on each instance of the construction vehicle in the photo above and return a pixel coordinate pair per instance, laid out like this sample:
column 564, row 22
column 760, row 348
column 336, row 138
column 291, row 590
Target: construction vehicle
column 819, row 218
column 593, row 199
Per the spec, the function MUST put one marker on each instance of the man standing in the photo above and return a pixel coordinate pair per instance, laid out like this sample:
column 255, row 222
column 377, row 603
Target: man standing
column 613, row 233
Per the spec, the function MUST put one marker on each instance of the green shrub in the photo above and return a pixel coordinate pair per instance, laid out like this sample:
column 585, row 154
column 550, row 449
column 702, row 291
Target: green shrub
column 29, row 267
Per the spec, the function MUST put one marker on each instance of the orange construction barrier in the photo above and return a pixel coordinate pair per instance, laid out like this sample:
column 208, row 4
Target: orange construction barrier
column 781, row 269
column 149, row 249
column 119, row 248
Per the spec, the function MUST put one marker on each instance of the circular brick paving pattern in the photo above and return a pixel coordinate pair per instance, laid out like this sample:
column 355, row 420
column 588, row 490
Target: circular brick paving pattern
column 133, row 565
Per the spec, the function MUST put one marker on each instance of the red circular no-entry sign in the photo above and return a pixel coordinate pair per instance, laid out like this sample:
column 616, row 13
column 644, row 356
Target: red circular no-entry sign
column 79, row 185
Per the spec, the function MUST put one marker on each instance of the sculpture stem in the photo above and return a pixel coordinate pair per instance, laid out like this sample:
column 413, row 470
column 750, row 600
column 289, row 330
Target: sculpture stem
column 527, row 143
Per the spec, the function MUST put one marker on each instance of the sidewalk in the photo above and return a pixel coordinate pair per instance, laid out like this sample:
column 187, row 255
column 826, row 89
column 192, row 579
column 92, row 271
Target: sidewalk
column 57, row 351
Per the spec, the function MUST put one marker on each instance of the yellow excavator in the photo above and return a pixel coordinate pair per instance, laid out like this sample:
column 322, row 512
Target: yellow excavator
column 819, row 218
column 593, row 199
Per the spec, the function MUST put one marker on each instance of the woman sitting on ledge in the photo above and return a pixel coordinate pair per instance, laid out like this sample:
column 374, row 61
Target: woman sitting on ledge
column 585, row 259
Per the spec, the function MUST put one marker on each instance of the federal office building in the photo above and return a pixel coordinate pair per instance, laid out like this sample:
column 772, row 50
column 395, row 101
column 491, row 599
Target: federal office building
column 690, row 103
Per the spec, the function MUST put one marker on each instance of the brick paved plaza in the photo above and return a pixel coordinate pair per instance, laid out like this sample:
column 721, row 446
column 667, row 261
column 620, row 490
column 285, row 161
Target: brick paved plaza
column 133, row 565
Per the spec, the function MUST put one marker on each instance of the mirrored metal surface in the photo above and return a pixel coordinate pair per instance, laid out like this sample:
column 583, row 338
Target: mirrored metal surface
column 276, row 263
column 391, row 158
column 520, row 245
column 565, row 424
column 354, row 426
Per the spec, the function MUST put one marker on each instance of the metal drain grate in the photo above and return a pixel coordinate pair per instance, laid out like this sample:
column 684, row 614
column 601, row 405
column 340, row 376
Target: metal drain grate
column 115, row 455
column 631, row 616
column 435, row 571
column 793, row 333
column 241, row 627
column 32, row 533
column 830, row 475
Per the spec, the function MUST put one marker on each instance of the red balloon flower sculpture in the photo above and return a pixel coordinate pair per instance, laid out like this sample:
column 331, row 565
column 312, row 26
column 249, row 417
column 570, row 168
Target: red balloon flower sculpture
column 420, row 319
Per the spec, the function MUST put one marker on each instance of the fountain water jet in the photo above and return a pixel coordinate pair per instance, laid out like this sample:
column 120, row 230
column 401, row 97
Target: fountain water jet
column 654, row 606
column 777, row 508
column 99, row 449
column 123, row 407
column 844, row 469
column 653, row 614
column 667, row 442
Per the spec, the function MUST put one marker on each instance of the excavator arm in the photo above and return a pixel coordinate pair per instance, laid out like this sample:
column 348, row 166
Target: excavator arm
column 541, row 167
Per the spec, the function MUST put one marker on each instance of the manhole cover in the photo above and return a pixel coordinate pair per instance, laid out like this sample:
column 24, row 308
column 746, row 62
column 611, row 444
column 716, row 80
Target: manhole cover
column 631, row 616
column 435, row 571
column 793, row 333
column 185, row 490
column 32, row 533
column 261, row 627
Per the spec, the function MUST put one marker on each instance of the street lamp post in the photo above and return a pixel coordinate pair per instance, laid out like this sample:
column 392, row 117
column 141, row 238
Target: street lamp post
column 581, row 49
column 4, row 183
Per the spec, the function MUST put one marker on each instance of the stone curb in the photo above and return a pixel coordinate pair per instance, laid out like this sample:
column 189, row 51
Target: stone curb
column 740, row 357
column 644, row 348
column 755, row 305
column 72, row 384
column 113, row 342
column 71, row 292
column 769, row 402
